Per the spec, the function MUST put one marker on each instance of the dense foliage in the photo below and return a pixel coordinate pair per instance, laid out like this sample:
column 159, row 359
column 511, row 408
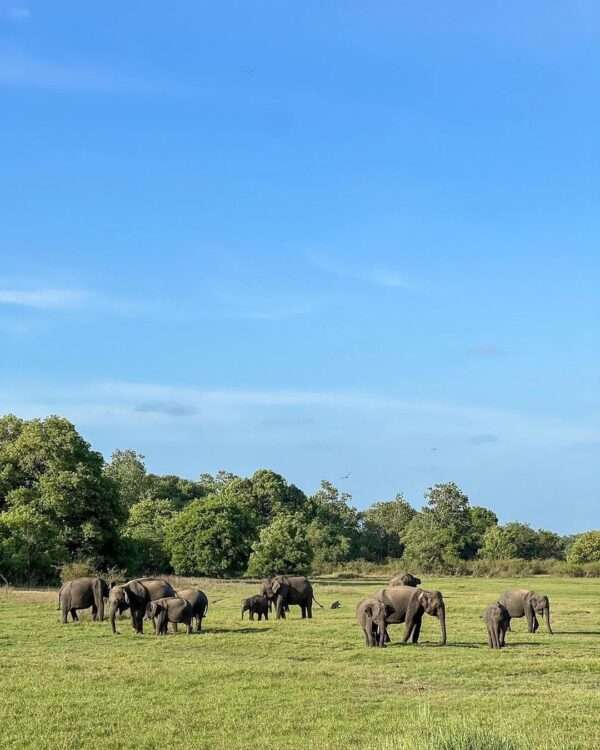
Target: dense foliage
column 61, row 505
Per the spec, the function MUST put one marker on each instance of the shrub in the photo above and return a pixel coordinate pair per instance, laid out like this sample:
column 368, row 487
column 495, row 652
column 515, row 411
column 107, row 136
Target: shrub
column 585, row 549
column 77, row 569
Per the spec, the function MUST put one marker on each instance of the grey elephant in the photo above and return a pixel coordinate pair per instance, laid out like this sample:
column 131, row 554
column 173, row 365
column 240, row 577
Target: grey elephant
column 524, row 603
column 82, row 593
column 497, row 620
column 256, row 605
column 135, row 595
column 172, row 609
column 287, row 590
column 199, row 604
column 405, row 579
column 371, row 616
column 409, row 604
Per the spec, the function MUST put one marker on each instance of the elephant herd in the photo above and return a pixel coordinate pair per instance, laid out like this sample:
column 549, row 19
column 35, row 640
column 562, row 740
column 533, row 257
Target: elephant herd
column 403, row 602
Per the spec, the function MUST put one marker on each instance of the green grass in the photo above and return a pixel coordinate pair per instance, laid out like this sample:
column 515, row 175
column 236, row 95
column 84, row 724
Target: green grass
column 312, row 683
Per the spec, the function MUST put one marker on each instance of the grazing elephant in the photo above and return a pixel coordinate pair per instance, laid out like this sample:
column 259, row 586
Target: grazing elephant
column 135, row 595
column 405, row 579
column 286, row 590
column 199, row 602
column 523, row 603
column 81, row 593
column 497, row 620
column 371, row 616
column 256, row 605
column 172, row 609
column 409, row 604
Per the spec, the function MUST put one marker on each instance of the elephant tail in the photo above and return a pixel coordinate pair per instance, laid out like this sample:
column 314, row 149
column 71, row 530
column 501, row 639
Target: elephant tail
column 317, row 602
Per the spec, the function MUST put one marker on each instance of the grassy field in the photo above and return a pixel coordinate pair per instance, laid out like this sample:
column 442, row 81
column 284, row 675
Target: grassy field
column 297, row 684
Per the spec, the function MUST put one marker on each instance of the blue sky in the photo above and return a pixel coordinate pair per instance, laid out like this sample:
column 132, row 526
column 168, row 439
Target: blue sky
column 325, row 238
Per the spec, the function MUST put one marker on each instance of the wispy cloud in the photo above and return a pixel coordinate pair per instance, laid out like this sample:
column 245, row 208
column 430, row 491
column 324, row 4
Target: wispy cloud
column 18, row 14
column 43, row 299
column 18, row 69
column 367, row 273
column 169, row 408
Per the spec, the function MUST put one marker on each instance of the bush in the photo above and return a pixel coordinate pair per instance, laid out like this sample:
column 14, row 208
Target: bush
column 585, row 549
column 77, row 569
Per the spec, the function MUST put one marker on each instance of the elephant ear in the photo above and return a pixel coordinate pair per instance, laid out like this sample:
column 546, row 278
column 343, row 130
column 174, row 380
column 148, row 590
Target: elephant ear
column 275, row 586
column 414, row 605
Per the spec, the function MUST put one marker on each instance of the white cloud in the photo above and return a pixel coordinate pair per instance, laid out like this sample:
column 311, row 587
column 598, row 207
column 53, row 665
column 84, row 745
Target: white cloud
column 43, row 299
column 375, row 275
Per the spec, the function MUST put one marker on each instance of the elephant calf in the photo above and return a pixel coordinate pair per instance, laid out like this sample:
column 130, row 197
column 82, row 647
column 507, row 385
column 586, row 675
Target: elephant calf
column 256, row 605
column 497, row 620
column 371, row 616
column 199, row 604
column 171, row 609
column 523, row 603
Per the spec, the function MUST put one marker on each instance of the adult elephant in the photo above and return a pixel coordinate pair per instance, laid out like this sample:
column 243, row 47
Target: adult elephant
column 524, row 603
column 408, row 605
column 286, row 590
column 82, row 593
column 135, row 595
column 405, row 579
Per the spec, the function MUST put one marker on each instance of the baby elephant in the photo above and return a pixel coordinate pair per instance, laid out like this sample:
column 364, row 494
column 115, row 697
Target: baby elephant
column 497, row 620
column 256, row 605
column 172, row 609
column 371, row 616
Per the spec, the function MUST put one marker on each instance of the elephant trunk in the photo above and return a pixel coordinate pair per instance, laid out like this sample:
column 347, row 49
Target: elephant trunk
column 113, row 614
column 442, row 619
column 547, row 618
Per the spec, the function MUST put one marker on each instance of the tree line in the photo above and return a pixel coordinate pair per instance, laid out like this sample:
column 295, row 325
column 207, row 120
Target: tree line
column 62, row 504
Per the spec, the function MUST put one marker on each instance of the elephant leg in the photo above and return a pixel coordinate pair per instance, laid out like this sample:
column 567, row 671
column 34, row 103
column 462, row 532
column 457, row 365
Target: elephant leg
column 174, row 624
column 252, row 614
column 74, row 615
column 508, row 627
column 416, row 631
column 309, row 610
column 303, row 609
column 266, row 614
column 536, row 624
column 386, row 637
column 65, row 614
column 94, row 612
column 490, row 641
column 189, row 627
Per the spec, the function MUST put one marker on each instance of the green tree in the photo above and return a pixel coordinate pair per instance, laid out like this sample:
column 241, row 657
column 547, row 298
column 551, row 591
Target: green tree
column 177, row 490
column 524, row 538
column 550, row 545
column 497, row 545
column 145, row 533
column 448, row 507
column 429, row 546
column 30, row 547
column 64, row 482
column 283, row 547
column 211, row 537
column 481, row 520
column 585, row 549
column 383, row 527
column 334, row 526
column 128, row 472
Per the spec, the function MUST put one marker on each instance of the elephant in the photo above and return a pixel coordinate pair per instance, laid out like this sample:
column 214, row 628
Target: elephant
column 81, row 593
column 286, row 590
column 409, row 604
column 172, row 609
column 405, row 579
column 135, row 595
column 199, row 602
column 497, row 620
column 256, row 605
column 371, row 616
column 523, row 603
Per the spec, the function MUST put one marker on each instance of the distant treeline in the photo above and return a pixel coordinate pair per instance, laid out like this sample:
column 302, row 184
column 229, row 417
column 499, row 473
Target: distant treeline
column 63, row 508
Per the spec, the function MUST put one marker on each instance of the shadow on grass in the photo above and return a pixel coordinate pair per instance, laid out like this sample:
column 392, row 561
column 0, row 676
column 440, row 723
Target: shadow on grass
column 577, row 632
column 234, row 630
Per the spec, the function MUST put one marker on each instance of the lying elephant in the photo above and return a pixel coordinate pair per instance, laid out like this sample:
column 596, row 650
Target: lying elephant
column 408, row 605
column 135, row 595
column 199, row 604
column 523, row 603
column 405, row 579
column 172, row 609
column 497, row 620
column 371, row 616
column 256, row 605
column 81, row 593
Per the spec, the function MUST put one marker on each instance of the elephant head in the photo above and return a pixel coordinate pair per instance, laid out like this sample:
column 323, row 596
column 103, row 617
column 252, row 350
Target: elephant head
column 118, row 602
column 541, row 605
column 408, row 579
column 432, row 603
